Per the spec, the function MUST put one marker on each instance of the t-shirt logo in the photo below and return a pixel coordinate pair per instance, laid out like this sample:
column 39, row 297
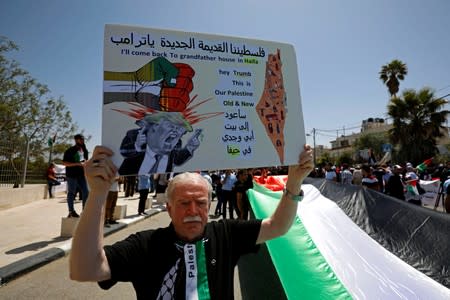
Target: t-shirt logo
column 79, row 156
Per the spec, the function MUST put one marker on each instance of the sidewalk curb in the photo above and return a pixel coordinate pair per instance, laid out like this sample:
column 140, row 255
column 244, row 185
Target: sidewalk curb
column 35, row 261
column 28, row 264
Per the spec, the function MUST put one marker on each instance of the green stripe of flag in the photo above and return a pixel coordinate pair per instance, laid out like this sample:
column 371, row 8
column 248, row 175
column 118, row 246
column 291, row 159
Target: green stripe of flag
column 202, row 277
column 303, row 271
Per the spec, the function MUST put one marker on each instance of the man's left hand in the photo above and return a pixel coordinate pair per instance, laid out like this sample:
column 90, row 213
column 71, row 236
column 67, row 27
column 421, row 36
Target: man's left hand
column 297, row 173
column 194, row 141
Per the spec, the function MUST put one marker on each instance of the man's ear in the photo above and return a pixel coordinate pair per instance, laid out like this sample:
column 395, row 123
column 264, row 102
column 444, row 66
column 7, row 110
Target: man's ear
column 169, row 209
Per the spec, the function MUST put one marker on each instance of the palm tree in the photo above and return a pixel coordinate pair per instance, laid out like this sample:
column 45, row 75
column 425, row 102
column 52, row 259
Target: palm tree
column 391, row 74
column 418, row 119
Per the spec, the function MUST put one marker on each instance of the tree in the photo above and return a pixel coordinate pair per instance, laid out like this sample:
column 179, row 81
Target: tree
column 345, row 157
column 10, row 74
column 443, row 157
column 29, row 115
column 391, row 74
column 418, row 119
column 324, row 158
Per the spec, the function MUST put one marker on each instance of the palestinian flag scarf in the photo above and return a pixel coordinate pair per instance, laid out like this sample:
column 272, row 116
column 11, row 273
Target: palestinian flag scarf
column 191, row 266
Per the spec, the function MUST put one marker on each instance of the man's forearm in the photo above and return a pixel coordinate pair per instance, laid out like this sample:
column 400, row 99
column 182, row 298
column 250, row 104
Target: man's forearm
column 87, row 258
column 282, row 218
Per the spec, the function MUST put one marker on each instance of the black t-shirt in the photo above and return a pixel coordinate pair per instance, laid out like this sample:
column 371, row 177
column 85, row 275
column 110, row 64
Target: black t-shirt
column 75, row 154
column 395, row 187
column 146, row 257
column 242, row 187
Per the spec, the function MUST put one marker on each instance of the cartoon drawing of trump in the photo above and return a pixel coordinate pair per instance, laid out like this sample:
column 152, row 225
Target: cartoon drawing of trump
column 156, row 146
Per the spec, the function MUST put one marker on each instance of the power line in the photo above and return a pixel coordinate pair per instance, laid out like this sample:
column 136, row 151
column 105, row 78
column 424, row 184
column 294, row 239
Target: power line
column 338, row 129
column 445, row 96
column 445, row 87
column 346, row 127
column 327, row 135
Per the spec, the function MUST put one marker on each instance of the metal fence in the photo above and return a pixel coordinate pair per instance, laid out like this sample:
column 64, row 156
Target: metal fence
column 11, row 164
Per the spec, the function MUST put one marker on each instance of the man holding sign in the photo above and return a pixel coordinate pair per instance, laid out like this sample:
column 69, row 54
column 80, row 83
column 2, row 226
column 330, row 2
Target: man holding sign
column 196, row 259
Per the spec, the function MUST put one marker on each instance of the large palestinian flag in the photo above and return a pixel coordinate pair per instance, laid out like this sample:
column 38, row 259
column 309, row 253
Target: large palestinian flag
column 349, row 242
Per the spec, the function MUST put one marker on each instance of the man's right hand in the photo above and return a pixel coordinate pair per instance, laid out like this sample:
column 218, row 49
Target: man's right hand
column 100, row 170
column 88, row 261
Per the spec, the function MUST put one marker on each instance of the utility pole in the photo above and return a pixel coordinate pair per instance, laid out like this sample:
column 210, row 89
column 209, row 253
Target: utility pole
column 25, row 166
column 314, row 146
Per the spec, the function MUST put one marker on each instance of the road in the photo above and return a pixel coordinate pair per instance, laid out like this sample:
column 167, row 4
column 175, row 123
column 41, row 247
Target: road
column 52, row 280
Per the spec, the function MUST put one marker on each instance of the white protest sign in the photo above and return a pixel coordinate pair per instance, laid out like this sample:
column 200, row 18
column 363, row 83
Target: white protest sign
column 182, row 101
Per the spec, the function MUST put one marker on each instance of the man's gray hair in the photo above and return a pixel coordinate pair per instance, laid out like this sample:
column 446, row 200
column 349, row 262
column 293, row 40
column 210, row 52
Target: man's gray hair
column 187, row 177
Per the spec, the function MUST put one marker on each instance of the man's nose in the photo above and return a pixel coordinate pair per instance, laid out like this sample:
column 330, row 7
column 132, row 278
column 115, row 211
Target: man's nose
column 192, row 207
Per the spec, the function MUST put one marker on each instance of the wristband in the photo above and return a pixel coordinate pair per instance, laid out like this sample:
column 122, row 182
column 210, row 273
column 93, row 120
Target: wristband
column 292, row 196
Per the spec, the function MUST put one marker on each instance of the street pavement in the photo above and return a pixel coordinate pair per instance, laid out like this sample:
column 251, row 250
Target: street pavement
column 31, row 233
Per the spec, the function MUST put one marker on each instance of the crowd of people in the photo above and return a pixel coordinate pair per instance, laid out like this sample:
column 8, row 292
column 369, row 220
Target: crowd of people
column 230, row 186
column 402, row 182
column 229, row 189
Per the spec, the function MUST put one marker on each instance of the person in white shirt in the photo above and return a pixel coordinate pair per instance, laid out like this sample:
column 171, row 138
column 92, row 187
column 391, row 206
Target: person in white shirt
column 228, row 179
column 346, row 174
column 330, row 174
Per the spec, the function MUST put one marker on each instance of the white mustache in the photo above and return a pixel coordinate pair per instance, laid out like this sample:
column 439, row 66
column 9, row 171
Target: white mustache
column 192, row 219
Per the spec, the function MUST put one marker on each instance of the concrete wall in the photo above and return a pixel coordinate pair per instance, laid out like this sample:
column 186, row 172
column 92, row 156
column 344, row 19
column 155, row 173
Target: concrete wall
column 10, row 197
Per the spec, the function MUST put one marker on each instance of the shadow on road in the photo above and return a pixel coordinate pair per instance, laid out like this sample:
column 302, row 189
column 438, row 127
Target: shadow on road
column 36, row 245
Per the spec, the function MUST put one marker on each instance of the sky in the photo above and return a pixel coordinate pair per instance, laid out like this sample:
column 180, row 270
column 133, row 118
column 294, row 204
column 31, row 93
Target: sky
column 340, row 48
